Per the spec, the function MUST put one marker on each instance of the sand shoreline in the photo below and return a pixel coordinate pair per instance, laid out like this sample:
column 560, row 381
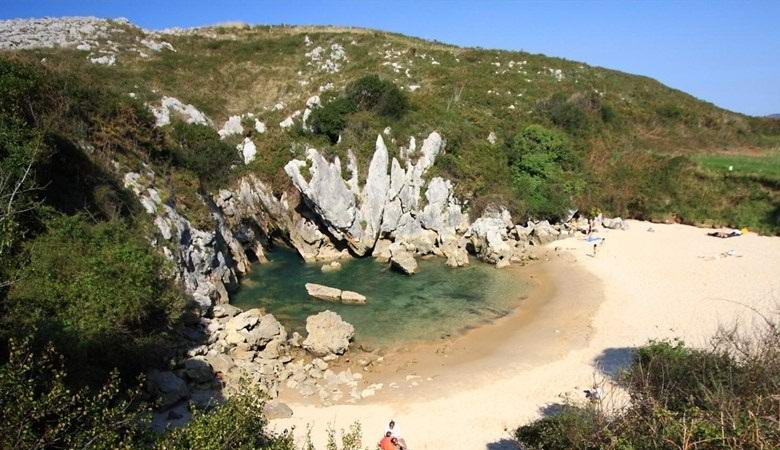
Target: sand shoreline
column 578, row 324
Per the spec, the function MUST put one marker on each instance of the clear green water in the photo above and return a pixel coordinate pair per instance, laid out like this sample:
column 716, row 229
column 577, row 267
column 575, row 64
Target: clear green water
column 436, row 302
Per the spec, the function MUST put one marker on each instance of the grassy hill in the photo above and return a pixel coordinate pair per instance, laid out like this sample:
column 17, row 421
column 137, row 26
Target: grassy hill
column 642, row 149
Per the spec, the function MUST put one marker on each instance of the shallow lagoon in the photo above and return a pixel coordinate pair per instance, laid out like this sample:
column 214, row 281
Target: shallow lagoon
column 436, row 302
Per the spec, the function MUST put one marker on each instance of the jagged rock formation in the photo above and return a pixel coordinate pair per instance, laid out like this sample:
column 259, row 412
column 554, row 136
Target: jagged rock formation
column 388, row 205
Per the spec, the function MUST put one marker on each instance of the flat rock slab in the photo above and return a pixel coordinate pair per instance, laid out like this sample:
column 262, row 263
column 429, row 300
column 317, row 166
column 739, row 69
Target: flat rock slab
column 323, row 292
column 335, row 295
column 352, row 298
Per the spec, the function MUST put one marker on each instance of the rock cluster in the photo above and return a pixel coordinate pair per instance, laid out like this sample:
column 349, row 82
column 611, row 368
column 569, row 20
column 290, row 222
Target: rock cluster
column 234, row 350
column 104, row 39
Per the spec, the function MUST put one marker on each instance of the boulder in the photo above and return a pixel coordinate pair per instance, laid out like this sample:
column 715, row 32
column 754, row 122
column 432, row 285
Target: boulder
column 488, row 235
column 382, row 250
column 614, row 224
column 543, row 233
column 323, row 292
column 198, row 370
column 327, row 334
column 277, row 410
column 402, row 260
column 167, row 386
column 453, row 247
column 225, row 310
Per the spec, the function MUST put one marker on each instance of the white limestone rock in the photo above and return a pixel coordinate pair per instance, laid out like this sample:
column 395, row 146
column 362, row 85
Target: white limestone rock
column 327, row 334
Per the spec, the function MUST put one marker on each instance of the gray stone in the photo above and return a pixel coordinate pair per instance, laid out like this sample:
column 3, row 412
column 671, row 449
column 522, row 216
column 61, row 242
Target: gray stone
column 226, row 310
column 198, row 370
column 277, row 410
column 352, row 298
column 167, row 386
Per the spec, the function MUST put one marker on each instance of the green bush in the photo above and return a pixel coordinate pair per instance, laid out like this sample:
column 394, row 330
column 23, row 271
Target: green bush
column 566, row 114
column 198, row 148
column 723, row 397
column 372, row 93
column 97, row 291
column 331, row 119
column 544, row 169
column 40, row 411
column 236, row 424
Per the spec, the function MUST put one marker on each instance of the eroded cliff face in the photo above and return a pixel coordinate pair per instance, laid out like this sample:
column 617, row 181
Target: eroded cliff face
column 396, row 216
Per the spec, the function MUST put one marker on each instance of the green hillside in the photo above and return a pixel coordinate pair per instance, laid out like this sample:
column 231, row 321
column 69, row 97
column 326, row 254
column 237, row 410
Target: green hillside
column 636, row 144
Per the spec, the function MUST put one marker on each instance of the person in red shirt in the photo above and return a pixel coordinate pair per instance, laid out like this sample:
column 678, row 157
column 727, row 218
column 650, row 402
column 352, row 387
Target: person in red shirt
column 387, row 442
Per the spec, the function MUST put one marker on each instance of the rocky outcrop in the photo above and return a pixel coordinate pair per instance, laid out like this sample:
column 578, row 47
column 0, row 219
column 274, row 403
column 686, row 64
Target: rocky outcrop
column 203, row 258
column 489, row 237
column 327, row 334
column 402, row 259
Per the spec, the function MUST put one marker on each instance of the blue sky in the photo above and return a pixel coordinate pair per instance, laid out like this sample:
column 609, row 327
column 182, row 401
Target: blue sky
column 725, row 52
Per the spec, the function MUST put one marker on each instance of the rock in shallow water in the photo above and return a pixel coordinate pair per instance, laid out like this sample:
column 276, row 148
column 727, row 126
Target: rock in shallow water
column 402, row 260
column 323, row 292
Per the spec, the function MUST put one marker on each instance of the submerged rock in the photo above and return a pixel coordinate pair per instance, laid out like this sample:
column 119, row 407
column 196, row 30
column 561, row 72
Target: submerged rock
column 333, row 266
column 327, row 334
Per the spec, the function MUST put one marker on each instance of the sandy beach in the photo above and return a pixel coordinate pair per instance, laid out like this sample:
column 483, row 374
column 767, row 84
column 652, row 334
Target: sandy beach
column 578, row 325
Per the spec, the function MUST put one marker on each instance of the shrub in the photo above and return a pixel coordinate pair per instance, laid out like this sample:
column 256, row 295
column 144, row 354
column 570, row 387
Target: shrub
column 199, row 149
column 331, row 119
column 670, row 112
column 723, row 397
column 96, row 291
column 372, row 93
column 544, row 171
column 567, row 114
column 236, row 424
column 40, row 411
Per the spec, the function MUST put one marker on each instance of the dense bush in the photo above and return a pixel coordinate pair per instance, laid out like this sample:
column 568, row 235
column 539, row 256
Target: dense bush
column 567, row 114
column 199, row 149
column 331, row 119
column 98, row 291
column 369, row 93
column 544, row 168
column 723, row 397
column 236, row 424
column 40, row 411
column 372, row 93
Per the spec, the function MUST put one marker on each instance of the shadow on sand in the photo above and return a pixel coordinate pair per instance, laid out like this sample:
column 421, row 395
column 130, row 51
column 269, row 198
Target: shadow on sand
column 612, row 361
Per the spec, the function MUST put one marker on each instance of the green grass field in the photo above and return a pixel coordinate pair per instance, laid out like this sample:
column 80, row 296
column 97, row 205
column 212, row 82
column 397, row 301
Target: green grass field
column 765, row 165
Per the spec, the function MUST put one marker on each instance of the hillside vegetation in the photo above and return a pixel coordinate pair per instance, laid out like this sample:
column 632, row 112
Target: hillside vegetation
column 637, row 145
column 721, row 397
column 87, row 306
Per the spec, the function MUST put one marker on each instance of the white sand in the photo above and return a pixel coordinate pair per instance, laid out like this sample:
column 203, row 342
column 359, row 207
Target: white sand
column 668, row 283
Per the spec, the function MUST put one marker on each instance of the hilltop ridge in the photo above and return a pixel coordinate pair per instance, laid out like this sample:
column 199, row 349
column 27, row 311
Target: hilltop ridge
column 625, row 130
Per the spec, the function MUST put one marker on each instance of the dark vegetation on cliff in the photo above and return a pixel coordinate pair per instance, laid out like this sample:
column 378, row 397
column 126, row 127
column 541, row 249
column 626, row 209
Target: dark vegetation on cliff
column 86, row 304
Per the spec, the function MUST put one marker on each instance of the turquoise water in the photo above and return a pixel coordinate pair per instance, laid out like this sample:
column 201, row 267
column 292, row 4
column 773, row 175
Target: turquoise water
column 437, row 301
